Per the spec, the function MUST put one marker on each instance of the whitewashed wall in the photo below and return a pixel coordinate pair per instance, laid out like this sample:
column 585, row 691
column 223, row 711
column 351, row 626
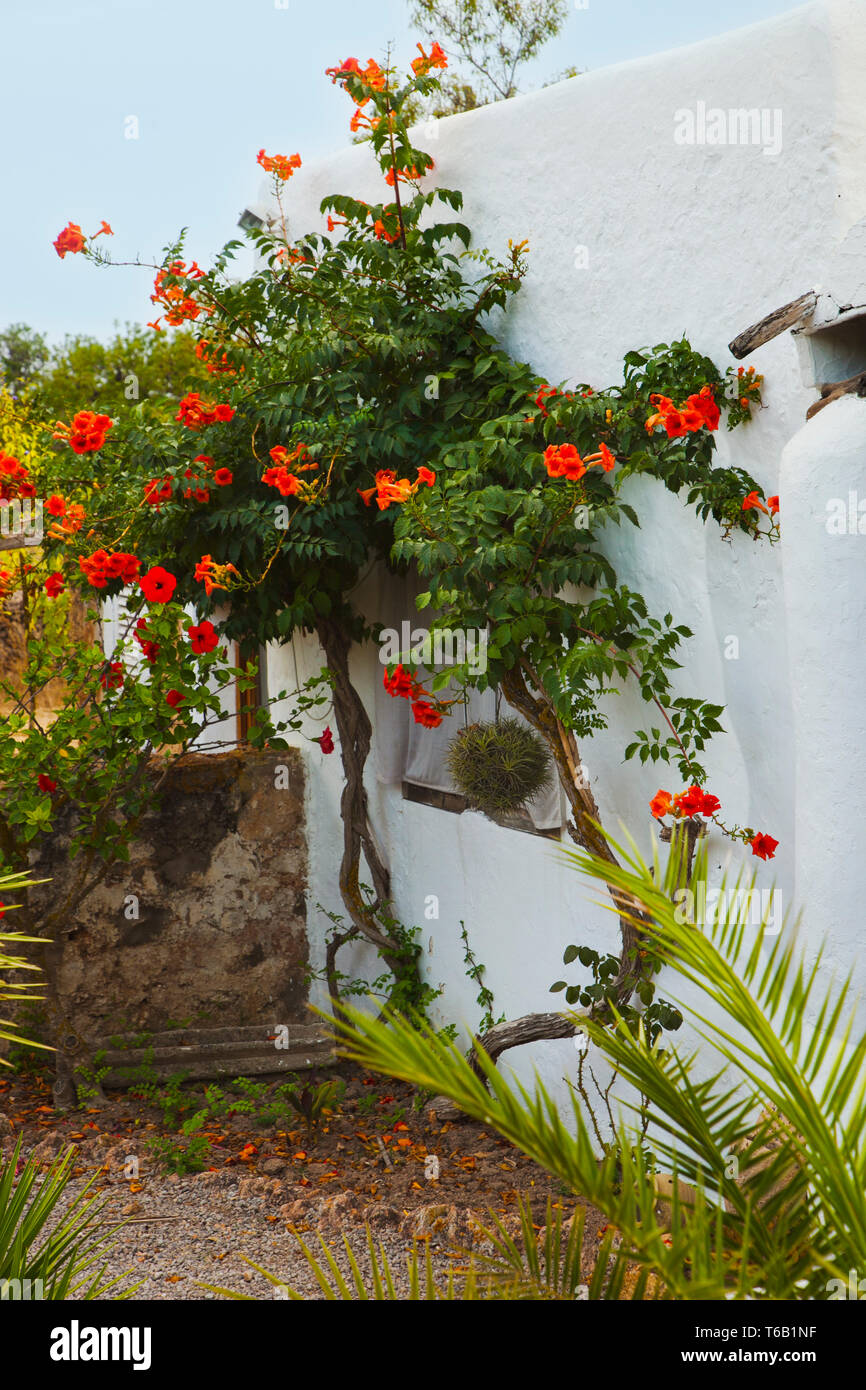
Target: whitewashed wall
column 696, row 239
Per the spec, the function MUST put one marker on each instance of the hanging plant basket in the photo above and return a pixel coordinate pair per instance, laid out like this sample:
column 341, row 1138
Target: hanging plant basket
column 499, row 767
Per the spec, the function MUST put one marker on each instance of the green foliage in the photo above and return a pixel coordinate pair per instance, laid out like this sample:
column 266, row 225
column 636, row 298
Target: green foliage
column 505, row 546
column 493, row 38
column 475, row 971
column 46, row 1237
column 312, row 1102
column 529, row 1267
column 266, row 1105
column 82, row 373
column 215, row 1100
column 358, row 350
column 16, row 991
column 408, row 994
column 24, row 354
column 372, row 349
column 650, row 1017
column 654, row 1015
column 190, row 1154
column 131, row 1042
column 423, row 1285
column 401, row 987
column 169, row 1098
column 98, row 748
column 94, row 765
column 142, row 1074
column 88, row 1080
column 28, row 1055
column 99, row 764
column 499, row 767
column 787, row 1101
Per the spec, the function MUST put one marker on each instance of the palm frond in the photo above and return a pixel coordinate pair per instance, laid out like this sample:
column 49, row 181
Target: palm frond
column 771, row 1140
column 63, row 1258
column 16, row 991
column 761, row 995
column 514, row 1270
column 381, row 1286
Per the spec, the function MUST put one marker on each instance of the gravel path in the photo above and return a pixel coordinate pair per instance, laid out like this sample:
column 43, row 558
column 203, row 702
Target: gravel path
column 210, row 1221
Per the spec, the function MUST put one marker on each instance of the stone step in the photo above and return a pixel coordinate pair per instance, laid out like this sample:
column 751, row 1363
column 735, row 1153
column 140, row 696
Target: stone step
column 204, row 1037
column 209, row 1053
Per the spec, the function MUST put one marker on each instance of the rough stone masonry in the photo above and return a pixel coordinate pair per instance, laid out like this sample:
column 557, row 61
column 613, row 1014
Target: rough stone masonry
column 206, row 923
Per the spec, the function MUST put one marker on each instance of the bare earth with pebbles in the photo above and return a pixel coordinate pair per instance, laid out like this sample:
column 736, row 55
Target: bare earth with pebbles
column 368, row 1164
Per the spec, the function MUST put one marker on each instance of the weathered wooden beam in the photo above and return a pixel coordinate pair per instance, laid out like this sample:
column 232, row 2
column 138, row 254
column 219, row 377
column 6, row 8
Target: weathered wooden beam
column 770, row 327
column 832, row 390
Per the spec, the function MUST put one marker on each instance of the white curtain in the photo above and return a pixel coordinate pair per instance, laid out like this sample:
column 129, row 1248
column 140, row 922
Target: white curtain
column 405, row 751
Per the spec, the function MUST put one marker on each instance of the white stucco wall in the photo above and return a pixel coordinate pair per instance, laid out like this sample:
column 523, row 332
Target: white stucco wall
column 698, row 240
column 824, row 595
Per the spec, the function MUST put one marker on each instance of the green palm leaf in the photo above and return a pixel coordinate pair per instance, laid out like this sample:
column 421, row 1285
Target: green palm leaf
column 16, row 991
column 63, row 1259
column 789, row 1062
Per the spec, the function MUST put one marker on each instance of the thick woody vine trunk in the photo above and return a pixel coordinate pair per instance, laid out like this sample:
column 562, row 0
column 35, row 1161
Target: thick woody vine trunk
column 584, row 830
column 585, row 818
column 355, row 731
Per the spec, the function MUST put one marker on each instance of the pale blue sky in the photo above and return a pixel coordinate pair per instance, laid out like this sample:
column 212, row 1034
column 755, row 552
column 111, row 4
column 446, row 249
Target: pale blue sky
column 211, row 82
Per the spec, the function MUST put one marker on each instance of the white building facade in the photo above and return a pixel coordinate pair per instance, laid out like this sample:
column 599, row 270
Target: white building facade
column 690, row 193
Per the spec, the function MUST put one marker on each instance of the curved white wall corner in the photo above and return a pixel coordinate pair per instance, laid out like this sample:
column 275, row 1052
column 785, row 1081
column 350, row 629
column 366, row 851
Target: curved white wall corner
column 824, row 486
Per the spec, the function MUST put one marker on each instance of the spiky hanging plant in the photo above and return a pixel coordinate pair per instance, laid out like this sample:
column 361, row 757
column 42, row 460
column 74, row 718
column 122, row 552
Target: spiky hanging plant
column 500, row 766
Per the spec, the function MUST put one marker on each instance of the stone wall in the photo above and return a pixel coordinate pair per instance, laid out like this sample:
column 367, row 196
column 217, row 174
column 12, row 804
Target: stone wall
column 206, row 923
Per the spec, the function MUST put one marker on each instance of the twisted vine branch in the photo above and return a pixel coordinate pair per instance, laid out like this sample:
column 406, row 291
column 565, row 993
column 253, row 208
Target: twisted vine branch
column 356, row 732
column 524, row 692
